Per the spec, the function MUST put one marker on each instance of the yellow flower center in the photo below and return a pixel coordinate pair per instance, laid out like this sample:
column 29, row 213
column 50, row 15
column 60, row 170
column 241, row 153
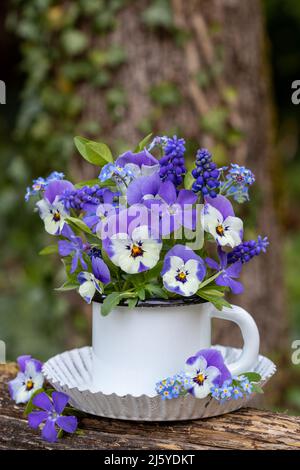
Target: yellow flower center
column 136, row 250
column 29, row 385
column 220, row 230
column 200, row 379
column 56, row 216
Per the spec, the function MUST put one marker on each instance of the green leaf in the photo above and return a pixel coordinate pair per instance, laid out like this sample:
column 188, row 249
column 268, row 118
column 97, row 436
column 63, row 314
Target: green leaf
column 30, row 406
column 157, row 291
column 131, row 303
column 68, row 285
column 211, row 291
column 209, row 280
column 188, row 180
column 95, row 153
column 111, row 301
column 257, row 388
column 154, row 272
column 252, row 376
column 142, row 144
column 49, row 250
column 79, row 224
column 141, row 293
column 88, row 183
column 218, row 301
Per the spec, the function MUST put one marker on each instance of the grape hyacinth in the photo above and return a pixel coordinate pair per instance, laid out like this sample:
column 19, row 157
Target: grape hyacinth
column 80, row 199
column 172, row 167
column 206, row 174
column 247, row 250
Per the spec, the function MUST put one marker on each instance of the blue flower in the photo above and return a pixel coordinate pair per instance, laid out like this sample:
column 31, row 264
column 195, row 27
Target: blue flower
column 247, row 386
column 40, row 184
column 238, row 181
column 237, row 393
column 172, row 166
column 215, row 392
column 173, row 387
column 206, row 174
column 117, row 172
column 226, row 391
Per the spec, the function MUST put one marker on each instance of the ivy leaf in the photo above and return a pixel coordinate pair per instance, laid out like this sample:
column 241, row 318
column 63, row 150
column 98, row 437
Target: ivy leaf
column 252, row 376
column 49, row 250
column 142, row 144
column 79, row 224
column 95, row 153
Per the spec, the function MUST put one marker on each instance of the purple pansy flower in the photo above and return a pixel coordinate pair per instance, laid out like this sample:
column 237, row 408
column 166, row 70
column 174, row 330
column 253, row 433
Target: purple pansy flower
column 140, row 164
column 51, row 209
column 51, row 413
column 74, row 247
column 27, row 381
column 173, row 209
column 220, row 222
column 130, row 242
column 182, row 271
column 206, row 369
column 226, row 278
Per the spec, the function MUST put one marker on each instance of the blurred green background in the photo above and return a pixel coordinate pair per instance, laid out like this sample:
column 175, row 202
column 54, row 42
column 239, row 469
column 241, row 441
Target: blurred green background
column 46, row 54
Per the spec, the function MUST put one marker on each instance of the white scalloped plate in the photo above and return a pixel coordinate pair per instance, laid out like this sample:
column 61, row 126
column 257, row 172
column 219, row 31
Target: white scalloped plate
column 70, row 372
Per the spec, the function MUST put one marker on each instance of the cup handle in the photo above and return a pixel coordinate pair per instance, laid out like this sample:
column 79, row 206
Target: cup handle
column 250, row 336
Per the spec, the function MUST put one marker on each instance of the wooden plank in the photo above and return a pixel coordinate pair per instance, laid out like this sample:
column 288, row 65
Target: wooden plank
column 245, row 429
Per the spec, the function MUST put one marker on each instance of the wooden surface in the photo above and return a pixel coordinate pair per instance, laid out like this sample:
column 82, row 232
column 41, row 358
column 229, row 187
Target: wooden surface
column 244, row 429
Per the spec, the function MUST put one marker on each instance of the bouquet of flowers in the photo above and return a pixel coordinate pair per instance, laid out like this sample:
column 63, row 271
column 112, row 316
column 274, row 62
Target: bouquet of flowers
column 146, row 227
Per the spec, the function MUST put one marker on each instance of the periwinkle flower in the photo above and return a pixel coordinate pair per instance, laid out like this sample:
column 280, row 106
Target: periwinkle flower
column 51, row 414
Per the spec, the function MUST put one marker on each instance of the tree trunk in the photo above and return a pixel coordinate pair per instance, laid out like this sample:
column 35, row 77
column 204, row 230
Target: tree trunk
column 214, row 59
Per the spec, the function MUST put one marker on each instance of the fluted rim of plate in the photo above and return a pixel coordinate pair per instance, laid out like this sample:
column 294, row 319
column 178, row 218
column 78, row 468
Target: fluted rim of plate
column 263, row 380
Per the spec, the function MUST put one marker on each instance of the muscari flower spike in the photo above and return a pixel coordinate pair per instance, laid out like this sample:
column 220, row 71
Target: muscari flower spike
column 172, row 165
column 87, row 198
column 245, row 251
column 206, row 174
